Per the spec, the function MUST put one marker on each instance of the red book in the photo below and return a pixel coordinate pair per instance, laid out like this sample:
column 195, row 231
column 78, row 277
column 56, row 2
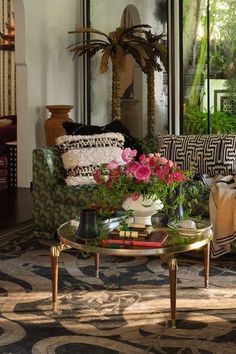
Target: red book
column 155, row 239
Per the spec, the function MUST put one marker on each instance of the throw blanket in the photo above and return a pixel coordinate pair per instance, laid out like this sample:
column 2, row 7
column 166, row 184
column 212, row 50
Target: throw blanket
column 222, row 207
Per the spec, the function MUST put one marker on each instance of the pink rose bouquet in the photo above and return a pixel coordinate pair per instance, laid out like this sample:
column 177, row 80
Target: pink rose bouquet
column 151, row 175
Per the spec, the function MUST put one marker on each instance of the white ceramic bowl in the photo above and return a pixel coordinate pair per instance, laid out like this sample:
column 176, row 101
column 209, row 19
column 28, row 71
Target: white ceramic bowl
column 201, row 226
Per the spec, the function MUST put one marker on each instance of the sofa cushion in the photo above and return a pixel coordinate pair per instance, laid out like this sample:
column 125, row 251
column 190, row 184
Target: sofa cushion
column 82, row 154
column 206, row 154
column 116, row 126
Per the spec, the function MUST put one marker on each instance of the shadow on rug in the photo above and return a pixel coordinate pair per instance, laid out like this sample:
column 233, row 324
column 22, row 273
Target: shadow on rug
column 127, row 310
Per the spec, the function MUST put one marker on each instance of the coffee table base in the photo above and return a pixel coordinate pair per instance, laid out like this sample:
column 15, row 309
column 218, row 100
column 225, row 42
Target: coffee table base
column 172, row 263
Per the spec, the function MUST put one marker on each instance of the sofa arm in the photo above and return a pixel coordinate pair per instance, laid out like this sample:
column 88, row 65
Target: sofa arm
column 47, row 173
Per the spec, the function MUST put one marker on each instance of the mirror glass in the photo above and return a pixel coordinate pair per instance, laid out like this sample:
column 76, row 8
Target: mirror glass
column 106, row 16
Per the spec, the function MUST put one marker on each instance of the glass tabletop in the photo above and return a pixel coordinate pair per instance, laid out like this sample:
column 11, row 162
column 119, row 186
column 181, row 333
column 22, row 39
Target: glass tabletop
column 175, row 243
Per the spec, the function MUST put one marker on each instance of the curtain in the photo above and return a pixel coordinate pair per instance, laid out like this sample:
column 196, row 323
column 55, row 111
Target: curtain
column 7, row 63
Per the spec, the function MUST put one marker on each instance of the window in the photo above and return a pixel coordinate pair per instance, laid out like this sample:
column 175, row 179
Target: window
column 208, row 67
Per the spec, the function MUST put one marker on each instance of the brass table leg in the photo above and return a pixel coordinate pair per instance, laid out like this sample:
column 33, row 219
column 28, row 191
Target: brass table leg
column 173, row 277
column 96, row 258
column 206, row 263
column 55, row 253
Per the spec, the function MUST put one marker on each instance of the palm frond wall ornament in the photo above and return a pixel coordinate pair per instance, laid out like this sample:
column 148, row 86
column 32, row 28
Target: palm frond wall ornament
column 115, row 46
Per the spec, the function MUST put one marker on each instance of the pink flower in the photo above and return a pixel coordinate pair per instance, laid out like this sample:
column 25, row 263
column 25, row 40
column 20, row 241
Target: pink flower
column 179, row 176
column 142, row 173
column 131, row 167
column 142, row 158
column 98, row 177
column 151, row 160
column 163, row 160
column 114, row 175
column 112, row 165
column 160, row 173
column 128, row 154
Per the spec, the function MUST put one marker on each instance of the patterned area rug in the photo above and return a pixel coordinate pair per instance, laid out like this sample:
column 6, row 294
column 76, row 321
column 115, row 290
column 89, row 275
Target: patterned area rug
column 125, row 311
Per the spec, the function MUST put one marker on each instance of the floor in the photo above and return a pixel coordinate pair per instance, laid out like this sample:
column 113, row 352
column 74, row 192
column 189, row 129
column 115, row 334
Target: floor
column 15, row 207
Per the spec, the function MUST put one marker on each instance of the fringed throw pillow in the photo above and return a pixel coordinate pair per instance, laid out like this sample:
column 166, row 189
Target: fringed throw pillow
column 82, row 154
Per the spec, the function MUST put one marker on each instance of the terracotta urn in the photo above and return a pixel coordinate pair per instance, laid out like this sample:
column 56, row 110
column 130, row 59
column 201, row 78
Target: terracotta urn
column 53, row 125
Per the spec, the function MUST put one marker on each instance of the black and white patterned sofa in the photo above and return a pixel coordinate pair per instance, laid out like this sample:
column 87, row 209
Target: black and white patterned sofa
column 208, row 155
column 55, row 202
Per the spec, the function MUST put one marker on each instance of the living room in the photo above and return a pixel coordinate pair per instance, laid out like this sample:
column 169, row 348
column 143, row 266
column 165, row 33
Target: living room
column 192, row 96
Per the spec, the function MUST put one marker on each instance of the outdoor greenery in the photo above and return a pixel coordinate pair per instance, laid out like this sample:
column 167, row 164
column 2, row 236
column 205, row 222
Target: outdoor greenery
column 196, row 122
column 222, row 62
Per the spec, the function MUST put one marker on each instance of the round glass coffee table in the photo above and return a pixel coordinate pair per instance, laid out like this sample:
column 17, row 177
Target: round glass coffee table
column 174, row 245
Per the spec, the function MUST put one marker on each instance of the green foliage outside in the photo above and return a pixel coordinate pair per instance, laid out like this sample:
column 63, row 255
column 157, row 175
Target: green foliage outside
column 222, row 55
column 196, row 122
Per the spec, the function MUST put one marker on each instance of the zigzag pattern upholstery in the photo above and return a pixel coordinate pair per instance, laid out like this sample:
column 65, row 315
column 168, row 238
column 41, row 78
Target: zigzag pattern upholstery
column 207, row 154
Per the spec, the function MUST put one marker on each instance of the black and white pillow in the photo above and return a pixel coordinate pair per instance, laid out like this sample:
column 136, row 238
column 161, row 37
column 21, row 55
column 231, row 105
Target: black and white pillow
column 116, row 126
column 82, row 154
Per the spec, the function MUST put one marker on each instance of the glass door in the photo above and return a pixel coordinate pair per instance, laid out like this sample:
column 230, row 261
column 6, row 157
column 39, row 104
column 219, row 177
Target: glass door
column 208, row 66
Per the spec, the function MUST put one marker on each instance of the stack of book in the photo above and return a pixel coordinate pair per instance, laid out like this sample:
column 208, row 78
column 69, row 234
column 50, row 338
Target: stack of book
column 136, row 236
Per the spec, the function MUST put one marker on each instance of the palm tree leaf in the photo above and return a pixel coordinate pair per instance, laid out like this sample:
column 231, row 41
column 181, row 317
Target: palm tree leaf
column 89, row 30
column 142, row 52
column 139, row 56
column 87, row 41
column 86, row 47
column 93, row 51
column 161, row 52
column 113, row 38
column 105, row 60
column 134, row 29
column 90, row 52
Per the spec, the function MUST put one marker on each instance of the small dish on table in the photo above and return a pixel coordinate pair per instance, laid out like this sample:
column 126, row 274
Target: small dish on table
column 190, row 227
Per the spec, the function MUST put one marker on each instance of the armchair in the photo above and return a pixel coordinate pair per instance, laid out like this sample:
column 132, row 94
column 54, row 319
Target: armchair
column 54, row 201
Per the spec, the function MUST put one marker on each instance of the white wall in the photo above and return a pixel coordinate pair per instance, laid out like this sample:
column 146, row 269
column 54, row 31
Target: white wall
column 44, row 62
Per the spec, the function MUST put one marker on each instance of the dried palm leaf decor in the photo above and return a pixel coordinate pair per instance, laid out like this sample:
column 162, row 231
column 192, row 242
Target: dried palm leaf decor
column 115, row 46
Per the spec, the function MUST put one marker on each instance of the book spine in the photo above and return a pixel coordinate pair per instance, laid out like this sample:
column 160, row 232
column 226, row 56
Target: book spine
column 132, row 243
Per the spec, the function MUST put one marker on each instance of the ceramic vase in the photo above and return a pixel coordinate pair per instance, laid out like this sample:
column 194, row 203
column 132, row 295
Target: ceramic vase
column 88, row 225
column 178, row 211
column 142, row 209
column 53, row 125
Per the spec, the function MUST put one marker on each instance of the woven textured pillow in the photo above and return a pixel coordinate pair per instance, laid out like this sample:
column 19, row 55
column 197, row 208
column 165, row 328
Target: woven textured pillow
column 82, row 154
column 207, row 154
